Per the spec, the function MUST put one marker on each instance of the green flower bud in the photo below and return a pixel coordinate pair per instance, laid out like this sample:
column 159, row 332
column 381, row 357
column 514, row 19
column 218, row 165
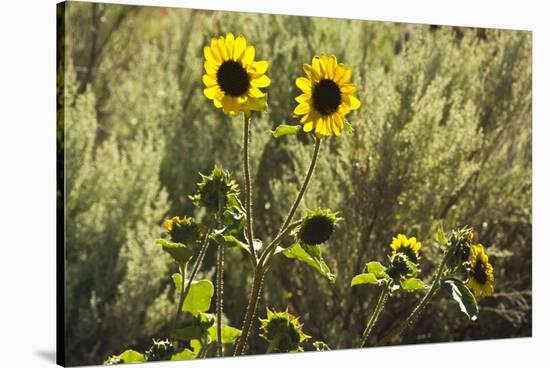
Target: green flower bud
column 283, row 332
column 317, row 226
column 183, row 229
column 160, row 350
column 216, row 191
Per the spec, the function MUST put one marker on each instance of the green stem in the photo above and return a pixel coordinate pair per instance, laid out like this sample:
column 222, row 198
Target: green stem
column 377, row 310
column 198, row 262
column 248, row 188
column 413, row 317
column 219, row 298
column 250, row 310
column 183, row 272
column 270, row 251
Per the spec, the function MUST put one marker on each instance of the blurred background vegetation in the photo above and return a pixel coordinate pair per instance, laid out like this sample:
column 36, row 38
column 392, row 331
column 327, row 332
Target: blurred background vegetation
column 443, row 136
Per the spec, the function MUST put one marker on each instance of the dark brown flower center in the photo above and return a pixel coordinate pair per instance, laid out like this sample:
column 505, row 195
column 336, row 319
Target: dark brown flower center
column 326, row 97
column 480, row 273
column 233, row 78
column 316, row 230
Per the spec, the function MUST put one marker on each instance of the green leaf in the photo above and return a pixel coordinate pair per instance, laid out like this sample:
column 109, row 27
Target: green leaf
column 377, row 269
column 177, row 281
column 364, row 278
column 186, row 354
column 297, row 252
column 132, row 356
column 179, row 252
column 347, row 126
column 188, row 333
column 230, row 241
column 463, row 296
column 229, row 334
column 286, row 130
column 412, row 284
column 199, row 297
column 441, row 236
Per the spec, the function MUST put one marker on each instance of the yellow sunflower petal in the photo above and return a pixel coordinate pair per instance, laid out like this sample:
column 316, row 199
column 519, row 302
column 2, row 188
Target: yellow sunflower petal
column 229, row 41
column 212, row 92
column 304, row 97
column 262, row 81
column 209, row 81
column 210, row 68
column 210, row 57
column 260, row 67
column 255, row 92
column 354, row 102
column 238, row 47
column 302, row 109
column 248, row 56
column 346, row 75
column 304, row 84
column 308, row 127
column 348, row 88
column 316, row 69
column 222, row 49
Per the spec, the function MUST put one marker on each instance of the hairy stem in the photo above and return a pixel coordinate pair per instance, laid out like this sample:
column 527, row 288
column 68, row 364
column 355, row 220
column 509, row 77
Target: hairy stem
column 250, row 310
column 270, row 251
column 219, row 298
column 376, row 313
column 183, row 272
column 198, row 262
column 413, row 317
column 248, row 188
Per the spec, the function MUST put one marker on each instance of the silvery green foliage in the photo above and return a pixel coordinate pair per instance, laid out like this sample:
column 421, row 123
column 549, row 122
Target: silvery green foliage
column 443, row 135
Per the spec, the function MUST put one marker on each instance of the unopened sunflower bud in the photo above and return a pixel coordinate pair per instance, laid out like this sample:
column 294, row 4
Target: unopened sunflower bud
column 283, row 332
column 160, row 350
column 183, row 229
column 215, row 190
column 317, row 226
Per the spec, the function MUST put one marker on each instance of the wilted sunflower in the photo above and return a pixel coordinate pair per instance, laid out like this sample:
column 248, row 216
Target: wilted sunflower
column 406, row 246
column 481, row 278
column 317, row 226
column 327, row 96
column 233, row 79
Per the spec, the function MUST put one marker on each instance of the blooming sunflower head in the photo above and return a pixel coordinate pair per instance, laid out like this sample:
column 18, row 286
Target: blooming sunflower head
column 283, row 331
column 182, row 229
column 317, row 226
column 216, row 191
column 407, row 246
column 327, row 96
column 481, row 278
column 233, row 79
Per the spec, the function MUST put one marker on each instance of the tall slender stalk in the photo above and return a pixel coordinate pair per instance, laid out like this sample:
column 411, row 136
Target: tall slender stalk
column 260, row 269
column 376, row 313
column 248, row 188
column 219, row 298
column 183, row 272
column 269, row 251
column 413, row 317
column 204, row 246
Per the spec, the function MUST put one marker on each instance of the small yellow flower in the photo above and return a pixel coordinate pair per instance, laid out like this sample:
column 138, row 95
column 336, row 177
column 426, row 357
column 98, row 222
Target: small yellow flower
column 406, row 246
column 233, row 79
column 327, row 96
column 481, row 278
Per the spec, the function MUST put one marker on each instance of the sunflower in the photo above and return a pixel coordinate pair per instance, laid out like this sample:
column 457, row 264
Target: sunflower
column 327, row 96
column 481, row 278
column 233, row 79
column 407, row 246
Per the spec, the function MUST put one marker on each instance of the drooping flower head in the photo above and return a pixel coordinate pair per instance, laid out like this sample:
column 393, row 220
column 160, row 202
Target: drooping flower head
column 217, row 191
column 160, row 350
column 233, row 79
column 481, row 278
column 407, row 246
column 317, row 226
column 327, row 96
column 283, row 331
column 182, row 229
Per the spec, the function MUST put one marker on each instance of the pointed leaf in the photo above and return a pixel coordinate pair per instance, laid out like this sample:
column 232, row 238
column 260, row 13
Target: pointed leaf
column 229, row 334
column 347, row 126
column 412, row 284
column 297, row 252
column 463, row 296
column 199, row 297
column 441, row 236
column 179, row 252
column 364, row 278
column 132, row 356
column 286, row 130
column 185, row 354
